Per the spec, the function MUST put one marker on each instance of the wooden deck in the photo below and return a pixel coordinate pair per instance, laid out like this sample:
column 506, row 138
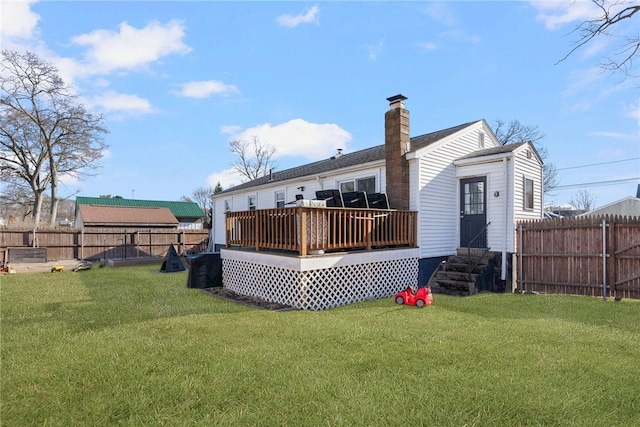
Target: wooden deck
column 309, row 230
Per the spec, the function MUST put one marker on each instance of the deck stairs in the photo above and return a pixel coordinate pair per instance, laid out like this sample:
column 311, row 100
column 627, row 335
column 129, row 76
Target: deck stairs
column 458, row 274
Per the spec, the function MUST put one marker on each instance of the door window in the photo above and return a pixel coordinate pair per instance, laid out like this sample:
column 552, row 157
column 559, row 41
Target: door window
column 474, row 198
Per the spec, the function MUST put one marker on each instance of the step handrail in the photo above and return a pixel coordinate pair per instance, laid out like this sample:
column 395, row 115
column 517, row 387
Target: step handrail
column 469, row 246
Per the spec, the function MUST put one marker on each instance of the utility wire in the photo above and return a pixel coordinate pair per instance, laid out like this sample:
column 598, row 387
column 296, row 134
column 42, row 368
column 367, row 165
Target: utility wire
column 597, row 164
column 598, row 183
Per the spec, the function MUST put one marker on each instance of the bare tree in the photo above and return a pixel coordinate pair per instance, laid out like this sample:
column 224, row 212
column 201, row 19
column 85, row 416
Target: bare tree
column 583, row 200
column 516, row 132
column 45, row 134
column 16, row 200
column 202, row 197
column 253, row 158
column 612, row 13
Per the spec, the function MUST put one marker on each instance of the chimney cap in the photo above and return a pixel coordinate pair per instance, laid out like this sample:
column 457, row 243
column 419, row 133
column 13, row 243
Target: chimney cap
column 397, row 98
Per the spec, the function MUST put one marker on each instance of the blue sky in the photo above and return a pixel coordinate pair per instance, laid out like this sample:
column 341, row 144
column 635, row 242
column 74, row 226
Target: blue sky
column 176, row 81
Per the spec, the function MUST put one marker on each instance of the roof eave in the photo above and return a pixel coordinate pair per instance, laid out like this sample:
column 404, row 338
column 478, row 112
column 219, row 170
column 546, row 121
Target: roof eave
column 284, row 182
column 483, row 159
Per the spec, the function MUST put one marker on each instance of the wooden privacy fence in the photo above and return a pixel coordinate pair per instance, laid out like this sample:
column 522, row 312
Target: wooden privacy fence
column 103, row 244
column 306, row 229
column 591, row 255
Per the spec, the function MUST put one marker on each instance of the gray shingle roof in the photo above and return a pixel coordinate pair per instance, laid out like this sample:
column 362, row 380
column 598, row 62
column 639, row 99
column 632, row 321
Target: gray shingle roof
column 491, row 151
column 345, row 160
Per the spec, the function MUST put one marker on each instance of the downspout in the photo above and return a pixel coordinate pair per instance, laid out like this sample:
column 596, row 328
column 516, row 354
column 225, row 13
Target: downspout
column 541, row 192
column 503, row 273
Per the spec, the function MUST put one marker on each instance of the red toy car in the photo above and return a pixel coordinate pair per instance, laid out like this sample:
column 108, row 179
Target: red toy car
column 411, row 296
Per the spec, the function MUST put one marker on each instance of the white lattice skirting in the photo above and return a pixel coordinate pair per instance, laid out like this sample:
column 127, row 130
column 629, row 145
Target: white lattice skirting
column 319, row 282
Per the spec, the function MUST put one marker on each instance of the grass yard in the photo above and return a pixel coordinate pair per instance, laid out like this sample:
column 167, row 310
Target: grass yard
column 132, row 346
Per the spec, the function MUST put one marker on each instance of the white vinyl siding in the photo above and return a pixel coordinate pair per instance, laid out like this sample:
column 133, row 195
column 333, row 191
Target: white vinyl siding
column 528, row 168
column 495, row 208
column 438, row 190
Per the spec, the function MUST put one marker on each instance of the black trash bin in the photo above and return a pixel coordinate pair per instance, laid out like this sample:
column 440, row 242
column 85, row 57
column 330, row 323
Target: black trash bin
column 205, row 270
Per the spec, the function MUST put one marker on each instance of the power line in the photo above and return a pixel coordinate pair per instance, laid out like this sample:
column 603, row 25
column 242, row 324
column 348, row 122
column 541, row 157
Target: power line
column 598, row 183
column 597, row 164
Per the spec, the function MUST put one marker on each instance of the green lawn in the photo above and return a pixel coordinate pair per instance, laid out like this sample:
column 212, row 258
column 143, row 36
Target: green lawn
column 132, row 346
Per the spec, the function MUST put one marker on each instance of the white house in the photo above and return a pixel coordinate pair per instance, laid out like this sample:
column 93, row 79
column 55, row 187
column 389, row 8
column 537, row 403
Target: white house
column 467, row 188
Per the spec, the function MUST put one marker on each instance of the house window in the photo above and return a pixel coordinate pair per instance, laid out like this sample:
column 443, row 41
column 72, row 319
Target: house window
column 528, row 193
column 252, row 203
column 279, row 199
column 347, row 186
column 367, row 185
column 481, row 140
column 227, row 205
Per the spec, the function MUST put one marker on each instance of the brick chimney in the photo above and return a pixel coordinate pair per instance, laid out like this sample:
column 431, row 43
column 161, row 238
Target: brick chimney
column 396, row 141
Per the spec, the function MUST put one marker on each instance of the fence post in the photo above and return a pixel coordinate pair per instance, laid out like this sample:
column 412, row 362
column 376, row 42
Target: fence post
column 520, row 279
column 604, row 259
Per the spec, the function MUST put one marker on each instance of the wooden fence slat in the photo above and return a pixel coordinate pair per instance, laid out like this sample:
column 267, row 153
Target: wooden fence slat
column 565, row 255
column 73, row 243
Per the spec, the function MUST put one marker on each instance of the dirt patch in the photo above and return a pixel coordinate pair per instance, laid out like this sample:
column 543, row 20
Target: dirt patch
column 246, row 300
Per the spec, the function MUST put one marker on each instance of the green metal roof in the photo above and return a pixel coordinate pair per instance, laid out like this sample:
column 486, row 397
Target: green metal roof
column 178, row 209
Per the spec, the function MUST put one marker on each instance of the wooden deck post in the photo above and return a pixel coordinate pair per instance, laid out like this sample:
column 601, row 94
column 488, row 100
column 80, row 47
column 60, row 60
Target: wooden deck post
column 257, row 230
column 302, row 249
column 368, row 224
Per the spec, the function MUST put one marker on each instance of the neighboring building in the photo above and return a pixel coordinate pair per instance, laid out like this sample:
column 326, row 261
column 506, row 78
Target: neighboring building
column 462, row 182
column 564, row 211
column 120, row 218
column 629, row 206
column 188, row 214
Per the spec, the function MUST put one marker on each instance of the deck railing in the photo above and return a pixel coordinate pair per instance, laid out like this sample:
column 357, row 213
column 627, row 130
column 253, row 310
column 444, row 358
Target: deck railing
column 307, row 229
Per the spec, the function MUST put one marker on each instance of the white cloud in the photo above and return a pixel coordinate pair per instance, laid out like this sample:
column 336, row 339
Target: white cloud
column 206, row 88
column 227, row 178
column 582, row 79
column 555, row 14
column 69, row 180
column 633, row 112
column 18, row 20
column 375, row 50
column 308, row 16
column 440, row 12
column 428, row 46
column 120, row 102
column 460, row 36
column 612, row 135
column 131, row 48
column 230, row 129
column 298, row 137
